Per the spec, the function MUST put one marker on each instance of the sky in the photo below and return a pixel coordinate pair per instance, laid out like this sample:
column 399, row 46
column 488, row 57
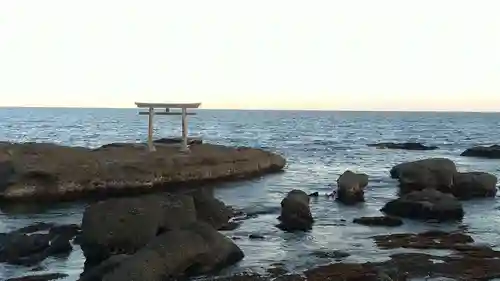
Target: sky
column 279, row 54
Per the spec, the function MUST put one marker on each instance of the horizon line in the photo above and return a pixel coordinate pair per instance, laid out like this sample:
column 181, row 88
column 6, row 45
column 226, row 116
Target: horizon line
column 266, row 109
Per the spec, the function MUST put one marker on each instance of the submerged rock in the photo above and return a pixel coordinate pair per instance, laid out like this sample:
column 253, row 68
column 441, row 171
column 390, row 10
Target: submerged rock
column 378, row 221
column 425, row 240
column 435, row 173
column 192, row 250
column 404, row 145
column 41, row 277
column 491, row 152
column 42, row 171
column 295, row 212
column 474, row 184
column 428, row 204
column 351, row 187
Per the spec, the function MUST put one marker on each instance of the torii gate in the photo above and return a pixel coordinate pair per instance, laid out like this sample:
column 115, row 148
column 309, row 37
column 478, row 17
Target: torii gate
column 167, row 106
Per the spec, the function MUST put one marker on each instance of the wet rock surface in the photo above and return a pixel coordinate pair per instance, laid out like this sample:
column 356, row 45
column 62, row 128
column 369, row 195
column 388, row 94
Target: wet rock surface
column 351, row 187
column 378, row 221
column 295, row 212
column 43, row 171
column 491, row 152
column 434, row 173
column 474, row 185
column 404, row 146
column 428, row 204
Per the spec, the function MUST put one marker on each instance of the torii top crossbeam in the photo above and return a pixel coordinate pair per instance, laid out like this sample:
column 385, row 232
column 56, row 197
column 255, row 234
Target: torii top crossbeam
column 167, row 106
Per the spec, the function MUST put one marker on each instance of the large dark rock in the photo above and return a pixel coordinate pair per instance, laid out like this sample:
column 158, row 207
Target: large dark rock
column 211, row 210
column 178, row 210
column 427, row 204
column 404, row 145
column 351, row 187
column 295, row 212
column 428, row 173
column 195, row 249
column 491, row 152
column 119, row 226
column 378, row 221
column 474, row 184
column 124, row 225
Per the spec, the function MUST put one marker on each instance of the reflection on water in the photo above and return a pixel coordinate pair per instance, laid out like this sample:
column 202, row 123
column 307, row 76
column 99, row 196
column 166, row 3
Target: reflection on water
column 319, row 146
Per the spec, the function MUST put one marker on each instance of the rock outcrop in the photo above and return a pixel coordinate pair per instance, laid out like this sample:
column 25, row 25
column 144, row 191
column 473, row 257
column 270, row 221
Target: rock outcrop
column 404, row 146
column 490, row 152
column 474, row 184
column 211, row 210
column 120, row 226
column 27, row 246
column 194, row 249
column 441, row 174
column 123, row 236
column 295, row 212
column 428, row 173
column 42, row 171
column 427, row 204
column 351, row 187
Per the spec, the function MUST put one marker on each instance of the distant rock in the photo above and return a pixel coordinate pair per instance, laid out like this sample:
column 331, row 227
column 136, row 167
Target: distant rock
column 427, row 204
column 491, row 152
column 190, row 141
column 474, row 184
column 378, row 221
column 435, row 173
column 404, row 146
column 351, row 187
column 295, row 212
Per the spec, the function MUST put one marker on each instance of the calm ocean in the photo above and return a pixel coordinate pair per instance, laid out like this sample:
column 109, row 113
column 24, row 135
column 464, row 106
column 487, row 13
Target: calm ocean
column 319, row 146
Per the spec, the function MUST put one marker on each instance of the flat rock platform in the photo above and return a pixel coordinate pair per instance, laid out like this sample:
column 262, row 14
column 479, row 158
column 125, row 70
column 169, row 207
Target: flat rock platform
column 45, row 171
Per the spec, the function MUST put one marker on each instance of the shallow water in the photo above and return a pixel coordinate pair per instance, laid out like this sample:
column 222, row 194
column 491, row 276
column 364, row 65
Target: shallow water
column 319, row 146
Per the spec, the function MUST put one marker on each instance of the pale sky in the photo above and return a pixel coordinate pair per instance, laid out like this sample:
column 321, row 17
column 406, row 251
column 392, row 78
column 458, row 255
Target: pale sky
column 360, row 55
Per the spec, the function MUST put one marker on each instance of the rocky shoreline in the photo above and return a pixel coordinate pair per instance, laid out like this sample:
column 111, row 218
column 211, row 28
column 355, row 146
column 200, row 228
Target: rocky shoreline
column 175, row 235
column 43, row 171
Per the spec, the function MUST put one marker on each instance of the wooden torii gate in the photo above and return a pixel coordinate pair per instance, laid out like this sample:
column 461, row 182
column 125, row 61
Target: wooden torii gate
column 167, row 106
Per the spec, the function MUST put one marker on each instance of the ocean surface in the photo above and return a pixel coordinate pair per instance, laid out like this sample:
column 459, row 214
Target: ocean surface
column 319, row 146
